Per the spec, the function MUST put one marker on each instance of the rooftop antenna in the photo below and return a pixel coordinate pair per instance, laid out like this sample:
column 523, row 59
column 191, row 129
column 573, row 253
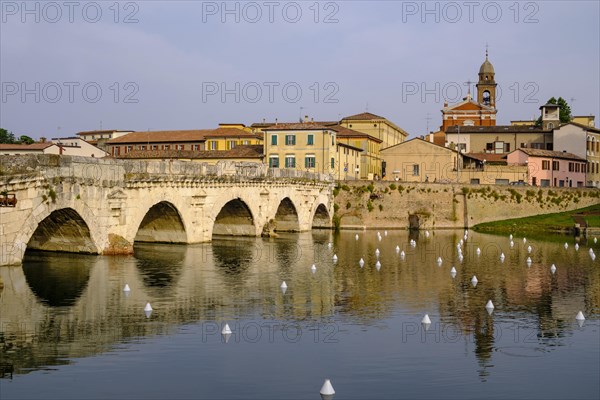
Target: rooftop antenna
column 367, row 107
column 300, row 114
column 469, row 83
column 100, row 125
column 428, row 118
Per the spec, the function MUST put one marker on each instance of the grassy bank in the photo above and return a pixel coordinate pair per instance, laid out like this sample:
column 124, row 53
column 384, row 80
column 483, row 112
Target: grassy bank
column 556, row 222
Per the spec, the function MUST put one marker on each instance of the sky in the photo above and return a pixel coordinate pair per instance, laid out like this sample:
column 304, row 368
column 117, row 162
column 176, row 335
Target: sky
column 70, row 66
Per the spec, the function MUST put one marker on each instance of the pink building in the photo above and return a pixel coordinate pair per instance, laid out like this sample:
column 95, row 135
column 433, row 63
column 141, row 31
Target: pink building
column 550, row 168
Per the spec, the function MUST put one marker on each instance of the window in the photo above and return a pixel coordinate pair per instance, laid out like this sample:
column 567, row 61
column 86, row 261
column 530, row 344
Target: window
column 129, row 148
column 310, row 140
column 555, row 166
column 507, row 147
column 546, row 165
column 274, row 161
column 290, row 161
column 142, row 147
column 290, row 140
column 489, row 146
column 167, row 146
column 462, row 147
column 498, row 147
column 544, row 182
column 273, row 140
column 415, row 169
column 309, row 161
column 571, row 167
column 179, row 147
column 332, row 162
column 523, row 145
column 539, row 146
column 154, row 147
column 333, row 140
column 230, row 144
column 196, row 147
column 213, row 145
column 245, row 142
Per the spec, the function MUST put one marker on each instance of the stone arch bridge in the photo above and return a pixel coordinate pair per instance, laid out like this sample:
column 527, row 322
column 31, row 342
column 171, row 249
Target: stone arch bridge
column 103, row 206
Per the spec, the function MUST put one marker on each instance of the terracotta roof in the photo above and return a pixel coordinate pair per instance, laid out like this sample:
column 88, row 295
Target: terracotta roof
column 587, row 128
column 269, row 124
column 488, row 157
column 366, row 116
column 351, row 133
column 162, row 136
column 550, row 154
column 33, row 146
column 349, row 146
column 232, row 132
column 298, row 126
column 242, row 151
column 100, row 132
column 496, row 129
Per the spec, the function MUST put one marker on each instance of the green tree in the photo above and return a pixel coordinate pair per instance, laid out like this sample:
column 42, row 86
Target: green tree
column 6, row 136
column 26, row 139
column 564, row 111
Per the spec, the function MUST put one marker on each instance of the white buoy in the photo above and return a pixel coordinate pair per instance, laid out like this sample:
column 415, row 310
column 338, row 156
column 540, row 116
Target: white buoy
column 591, row 250
column 379, row 238
column 502, row 257
column 361, row 262
column 566, row 245
column 148, row 307
column 327, row 388
column 524, row 240
column 458, row 246
column 226, row 330
column 595, row 240
column 553, row 268
column 580, row 316
column 426, row 319
column 335, row 258
column 474, row 281
column 461, row 242
column 356, row 236
column 512, row 244
column 576, row 246
column 378, row 265
column 385, row 233
column 397, row 249
column 313, row 268
column 402, row 254
column 478, row 251
column 593, row 256
column 377, row 252
column 460, row 258
column 329, row 245
column 466, row 232
column 529, row 249
column 510, row 236
column 439, row 260
column 126, row 288
column 426, row 233
column 528, row 260
column 283, row 285
column 489, row 307
column 453, row 272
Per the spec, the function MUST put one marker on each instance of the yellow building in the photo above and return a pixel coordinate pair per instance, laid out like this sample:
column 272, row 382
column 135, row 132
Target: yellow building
column 370, row 159
column 347, row 162
column 376, row 126
column 587, row 120
column 227, row 136
column 304, row 146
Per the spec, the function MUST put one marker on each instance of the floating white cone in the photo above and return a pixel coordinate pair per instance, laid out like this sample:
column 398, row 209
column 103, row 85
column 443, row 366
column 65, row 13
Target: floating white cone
column 378, row 234
column 576, row 246
column 426, row 233
column 402, row 254
column 458, row 246
column 465, row 238
column 335, row 258
column 524, row 240
column 595, row 240
column 529, row 249
column 377, row 252
column 439, row 260
column 461, row 242
column 327, row 388
column 593, row 256
column 553, row 268
column 226, row 330
column 580, row 316
column 478, row 251
column 510, row 236
column 489, row 306
column 466, row 232
column 356, row 236
column 512, row 244
column 329, row 245
column 126, row 288
column 283, row 285
column 460, row 258
column 591, row 251
column 385, row 233
column 361, row 262
column 502, row 257
column 528, row 261
column 453, row 272
column 474, row 281
column 426, row 319
column 566, row 245
column 226, row 337
column 148, row 307
column 378, row 265
column 313, row 268
column 397, row 249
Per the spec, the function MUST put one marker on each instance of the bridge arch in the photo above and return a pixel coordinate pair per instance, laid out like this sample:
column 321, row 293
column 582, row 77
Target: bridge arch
column 66, row 226
column 234, row 217
column 162, row 223
column 286, row 217
column 321, row 217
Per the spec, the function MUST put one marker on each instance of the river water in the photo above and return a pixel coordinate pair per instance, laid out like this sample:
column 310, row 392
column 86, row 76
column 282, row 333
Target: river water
column 68, row 330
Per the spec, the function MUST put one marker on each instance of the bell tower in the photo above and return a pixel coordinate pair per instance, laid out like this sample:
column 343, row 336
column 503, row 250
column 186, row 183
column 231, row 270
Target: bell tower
column 486, row 87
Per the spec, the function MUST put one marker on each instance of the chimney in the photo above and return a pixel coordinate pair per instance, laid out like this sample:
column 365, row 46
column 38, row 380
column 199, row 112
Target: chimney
column 264, row 121
column 275, row 121
column 306, row 118
column 445, row 104
column 312, row 120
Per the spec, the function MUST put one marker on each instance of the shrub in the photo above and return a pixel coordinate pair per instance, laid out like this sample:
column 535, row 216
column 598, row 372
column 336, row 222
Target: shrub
column 348, row 205
column 381, row 207
column 393, row 186
column 369, row 206
column 336, row 207
column 370, row 188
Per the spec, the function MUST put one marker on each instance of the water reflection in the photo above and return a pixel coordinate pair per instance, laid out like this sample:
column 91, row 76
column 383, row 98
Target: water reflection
column 236, row 279
column 56, row 280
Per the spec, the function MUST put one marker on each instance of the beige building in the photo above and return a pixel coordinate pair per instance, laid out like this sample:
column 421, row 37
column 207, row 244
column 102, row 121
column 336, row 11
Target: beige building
column 157, row 140
column 418, row 160
column 498, row 139
column 583, row 141
column 76, row 146
column 347, row 162
column 373, row 125
column 241, row 153
column 34, row 148
column 308, row 146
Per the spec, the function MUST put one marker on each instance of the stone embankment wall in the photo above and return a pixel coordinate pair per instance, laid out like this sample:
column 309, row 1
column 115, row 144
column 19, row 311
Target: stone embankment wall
column 393, row 205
